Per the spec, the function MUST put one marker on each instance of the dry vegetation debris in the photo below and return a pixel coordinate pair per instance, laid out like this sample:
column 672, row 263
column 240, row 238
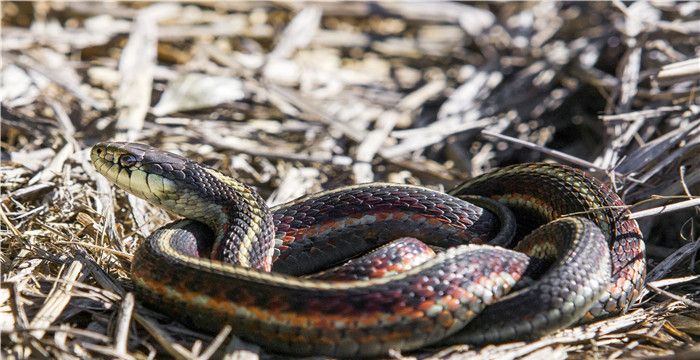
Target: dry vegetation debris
column 298, row 97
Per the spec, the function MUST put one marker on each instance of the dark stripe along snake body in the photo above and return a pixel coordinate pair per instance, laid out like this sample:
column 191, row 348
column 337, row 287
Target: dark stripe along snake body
column 451, row 298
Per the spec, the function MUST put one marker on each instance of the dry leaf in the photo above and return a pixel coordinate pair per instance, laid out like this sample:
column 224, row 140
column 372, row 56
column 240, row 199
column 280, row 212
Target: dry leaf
column 197, row 91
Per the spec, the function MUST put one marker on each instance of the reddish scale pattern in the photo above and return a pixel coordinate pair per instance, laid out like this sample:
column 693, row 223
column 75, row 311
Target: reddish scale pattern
column 445, row 291
column 334, row 226
column 422, row 305
column 395, row 257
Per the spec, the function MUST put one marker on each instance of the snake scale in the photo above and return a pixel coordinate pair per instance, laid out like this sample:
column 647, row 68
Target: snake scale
column 235, row 261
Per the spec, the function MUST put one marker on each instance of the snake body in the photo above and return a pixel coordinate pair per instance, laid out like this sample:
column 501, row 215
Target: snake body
column 453, row 296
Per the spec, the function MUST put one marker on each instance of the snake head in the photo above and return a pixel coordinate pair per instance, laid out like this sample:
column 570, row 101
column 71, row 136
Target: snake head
column 186, row 188
column 162, row 178
column 173, row 182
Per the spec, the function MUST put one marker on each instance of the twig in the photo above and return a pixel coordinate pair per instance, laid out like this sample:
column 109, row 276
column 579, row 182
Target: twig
column 670, row 262
column 8, row 223
column 673, row 296
column 57, row 300
column 121, row 334
column 216, row 343
column 664, row 209
column 554, row 153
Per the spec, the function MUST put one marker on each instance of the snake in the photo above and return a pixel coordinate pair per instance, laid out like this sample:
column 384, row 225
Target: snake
column 519, row 252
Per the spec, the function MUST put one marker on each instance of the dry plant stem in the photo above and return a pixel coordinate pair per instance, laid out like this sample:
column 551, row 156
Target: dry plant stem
column 554, row 153
column 167, row 342
column 673, row 261
column 665, row 209
column 136, row 69
column 8, row 223
column 216, row 343
column 675, row 281
column 576, row 335
column 121, row 334
column 655, row 148
column 58, row 299
column 644, row 114
column 316, row 113
column 673, row 296
column 123, row 255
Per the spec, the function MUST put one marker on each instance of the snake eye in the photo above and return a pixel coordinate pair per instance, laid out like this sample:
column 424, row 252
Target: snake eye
column 127, row 160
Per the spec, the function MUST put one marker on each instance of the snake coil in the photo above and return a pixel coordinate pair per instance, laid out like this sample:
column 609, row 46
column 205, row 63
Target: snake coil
column 235, row 261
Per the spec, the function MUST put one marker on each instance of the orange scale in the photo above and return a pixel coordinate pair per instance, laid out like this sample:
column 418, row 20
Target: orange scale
column 317, row 322
column 287, row 239
column 377, row 274
column 445, row 319
column 459, row 293
column 437, row 221
column 611, row 307
column 396, row 335
column 155, row 285
column 368, row 320
column 452, row 304
column 298, row 321
column 407, row 312
column 426, row 305
column 190, row 296
column 635, row 293
column 326, row 227
column 393, row 319
column 382, row 216
column 260, row 314
column 416, row 217
column 223, row 306
column 396, row 267
column 181, row 287
column 417, row 314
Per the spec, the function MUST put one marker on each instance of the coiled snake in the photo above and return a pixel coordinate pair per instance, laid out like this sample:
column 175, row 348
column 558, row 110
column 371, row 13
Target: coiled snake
column 216, row 270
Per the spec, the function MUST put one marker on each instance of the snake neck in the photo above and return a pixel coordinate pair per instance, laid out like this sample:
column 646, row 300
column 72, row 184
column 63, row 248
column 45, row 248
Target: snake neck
column 240, row 218
column 237, row 215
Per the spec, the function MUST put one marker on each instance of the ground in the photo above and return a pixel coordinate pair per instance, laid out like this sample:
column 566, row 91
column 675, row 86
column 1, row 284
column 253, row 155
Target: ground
column 294, row 98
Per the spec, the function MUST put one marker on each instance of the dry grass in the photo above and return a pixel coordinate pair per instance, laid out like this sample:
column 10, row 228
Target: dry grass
column 296, row 98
